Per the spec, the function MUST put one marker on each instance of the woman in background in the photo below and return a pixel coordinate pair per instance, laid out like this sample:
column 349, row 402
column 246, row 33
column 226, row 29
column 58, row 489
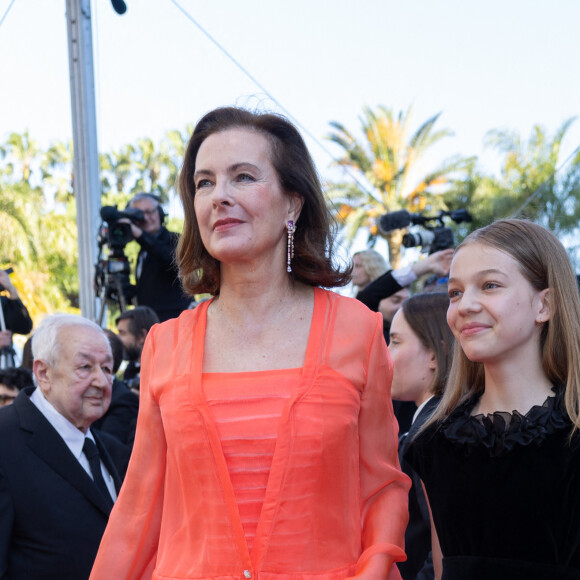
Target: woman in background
column 367, row 265
column 500, row 458
column 266, row 444
column 421, row 348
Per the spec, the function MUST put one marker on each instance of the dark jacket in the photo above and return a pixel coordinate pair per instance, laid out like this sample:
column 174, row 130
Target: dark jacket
column 158, row 285
column 419, row 563
column 16, row 315
column 52, row 515
column 383, row 287
column 121, row 418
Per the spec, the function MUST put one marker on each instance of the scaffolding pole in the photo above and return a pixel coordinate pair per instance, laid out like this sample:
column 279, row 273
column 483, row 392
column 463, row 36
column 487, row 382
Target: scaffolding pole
column 86, row 157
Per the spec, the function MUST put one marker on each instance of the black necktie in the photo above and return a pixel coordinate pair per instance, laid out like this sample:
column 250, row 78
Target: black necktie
column 92, row 454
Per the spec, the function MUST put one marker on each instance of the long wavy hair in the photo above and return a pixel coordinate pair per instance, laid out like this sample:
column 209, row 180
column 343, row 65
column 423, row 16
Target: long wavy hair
column 544, row 264
column 314, row 260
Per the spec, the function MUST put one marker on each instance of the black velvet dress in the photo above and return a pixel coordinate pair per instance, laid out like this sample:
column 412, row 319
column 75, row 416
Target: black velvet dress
column 504, row 491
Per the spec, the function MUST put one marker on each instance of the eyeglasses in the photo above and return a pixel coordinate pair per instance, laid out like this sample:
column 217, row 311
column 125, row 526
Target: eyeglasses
column 150, row 211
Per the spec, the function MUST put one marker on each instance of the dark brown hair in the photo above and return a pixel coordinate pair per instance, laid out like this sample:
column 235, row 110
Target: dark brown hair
column 314, row 237
column 426, row 314
column 141, row 319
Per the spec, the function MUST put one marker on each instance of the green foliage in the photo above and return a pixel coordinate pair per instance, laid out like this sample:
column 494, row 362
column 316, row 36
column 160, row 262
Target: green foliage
column 38, row 230
column 387, row 172
column 534, row 182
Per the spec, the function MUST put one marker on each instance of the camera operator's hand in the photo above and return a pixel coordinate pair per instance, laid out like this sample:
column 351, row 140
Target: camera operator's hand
column 135, row 230
column 6, row 283
column 437, row 263
column 5, row 338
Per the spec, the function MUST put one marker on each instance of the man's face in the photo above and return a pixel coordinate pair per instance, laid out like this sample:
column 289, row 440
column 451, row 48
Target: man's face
column 133, row 345
column 152, row 221
column 388, row 306
column 79, row 384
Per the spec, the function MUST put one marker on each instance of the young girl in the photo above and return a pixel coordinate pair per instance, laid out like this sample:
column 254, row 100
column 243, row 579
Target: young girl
column 500, row 458
column 421, row 348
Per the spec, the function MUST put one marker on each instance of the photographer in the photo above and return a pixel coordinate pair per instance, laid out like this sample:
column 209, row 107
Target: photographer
column 14, row 318
column 158, row 284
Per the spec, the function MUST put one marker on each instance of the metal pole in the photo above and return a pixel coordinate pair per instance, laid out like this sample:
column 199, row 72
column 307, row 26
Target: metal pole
column 86, row 157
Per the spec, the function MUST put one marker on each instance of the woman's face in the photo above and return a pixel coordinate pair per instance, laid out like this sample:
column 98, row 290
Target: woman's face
column 360, row 277
column 494, row 312
column 241, row 209
column 414, row 363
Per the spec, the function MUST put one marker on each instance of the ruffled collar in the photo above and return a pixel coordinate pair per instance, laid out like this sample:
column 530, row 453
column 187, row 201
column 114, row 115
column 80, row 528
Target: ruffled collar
column 500, row 432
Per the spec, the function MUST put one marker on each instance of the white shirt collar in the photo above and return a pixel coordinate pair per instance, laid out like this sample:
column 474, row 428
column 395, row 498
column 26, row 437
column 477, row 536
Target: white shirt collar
column 420, row 408
column 73, row 436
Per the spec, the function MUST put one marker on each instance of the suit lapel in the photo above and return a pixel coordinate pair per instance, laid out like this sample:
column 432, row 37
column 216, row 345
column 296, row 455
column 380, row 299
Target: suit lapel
column 49, row 446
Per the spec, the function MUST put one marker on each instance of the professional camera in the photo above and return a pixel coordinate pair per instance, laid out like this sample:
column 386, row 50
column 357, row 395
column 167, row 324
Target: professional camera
column 113, row 269
column 433, row 237
column 119, row 234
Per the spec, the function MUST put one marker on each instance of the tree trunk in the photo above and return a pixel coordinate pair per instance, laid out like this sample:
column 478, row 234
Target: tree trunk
column 395, row 239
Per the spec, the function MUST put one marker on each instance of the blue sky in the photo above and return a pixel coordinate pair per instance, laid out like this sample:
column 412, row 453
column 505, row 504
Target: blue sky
column 496, row 64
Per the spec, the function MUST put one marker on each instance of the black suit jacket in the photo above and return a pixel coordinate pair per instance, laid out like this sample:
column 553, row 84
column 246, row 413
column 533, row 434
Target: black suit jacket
column 120, row 419
column 419, row 564
column 16, row 315
column 52, row 516
column 158, row 285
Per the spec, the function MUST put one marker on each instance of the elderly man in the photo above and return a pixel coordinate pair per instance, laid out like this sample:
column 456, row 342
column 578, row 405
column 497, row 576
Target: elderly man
column 58, row 480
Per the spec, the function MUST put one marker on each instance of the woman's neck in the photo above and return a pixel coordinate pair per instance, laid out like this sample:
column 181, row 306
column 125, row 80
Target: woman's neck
column 245, row 295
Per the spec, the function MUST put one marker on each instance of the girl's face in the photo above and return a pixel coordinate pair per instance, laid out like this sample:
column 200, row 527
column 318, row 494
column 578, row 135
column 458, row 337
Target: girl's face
column 360, row 277
column 494, row 312
column 414, row 363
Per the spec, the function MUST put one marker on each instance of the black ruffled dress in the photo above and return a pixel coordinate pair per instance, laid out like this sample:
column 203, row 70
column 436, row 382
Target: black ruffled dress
column 504, row 491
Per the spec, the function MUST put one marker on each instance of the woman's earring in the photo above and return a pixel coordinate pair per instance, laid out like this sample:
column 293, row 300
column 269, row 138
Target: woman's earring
column 291, row 229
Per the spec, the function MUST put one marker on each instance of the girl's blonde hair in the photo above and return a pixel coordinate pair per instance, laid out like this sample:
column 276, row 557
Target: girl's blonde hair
column 373, row 263
column 544, row 263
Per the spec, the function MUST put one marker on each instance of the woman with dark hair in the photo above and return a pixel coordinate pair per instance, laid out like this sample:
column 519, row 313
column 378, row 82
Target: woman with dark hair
column 500, row 457
column 266, row 445
column 421, row 348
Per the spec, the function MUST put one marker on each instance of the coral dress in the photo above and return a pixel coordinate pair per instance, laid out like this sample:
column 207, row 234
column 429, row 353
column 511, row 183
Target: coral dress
column 334, row 498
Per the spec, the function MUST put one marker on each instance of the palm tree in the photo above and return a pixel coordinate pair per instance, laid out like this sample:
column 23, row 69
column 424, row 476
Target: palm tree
column 389, row 171
column 534, row 182
column 22, row 152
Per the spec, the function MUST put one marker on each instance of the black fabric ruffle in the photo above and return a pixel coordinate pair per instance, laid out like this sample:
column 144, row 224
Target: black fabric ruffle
column 500, row 432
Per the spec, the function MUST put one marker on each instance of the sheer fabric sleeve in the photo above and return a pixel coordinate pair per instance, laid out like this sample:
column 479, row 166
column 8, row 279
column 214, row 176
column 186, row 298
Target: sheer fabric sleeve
column 384, row 487
column 129, row 546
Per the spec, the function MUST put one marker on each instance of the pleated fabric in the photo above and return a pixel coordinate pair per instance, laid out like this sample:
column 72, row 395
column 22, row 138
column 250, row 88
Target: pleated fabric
column 335, row 496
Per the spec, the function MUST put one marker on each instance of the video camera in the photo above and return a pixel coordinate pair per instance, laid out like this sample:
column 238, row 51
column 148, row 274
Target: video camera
column 118, row 234
column 434, row 237
column 112, row 271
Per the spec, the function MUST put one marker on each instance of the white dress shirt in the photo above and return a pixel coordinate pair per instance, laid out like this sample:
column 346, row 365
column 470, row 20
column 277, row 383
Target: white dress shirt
column 72, row 436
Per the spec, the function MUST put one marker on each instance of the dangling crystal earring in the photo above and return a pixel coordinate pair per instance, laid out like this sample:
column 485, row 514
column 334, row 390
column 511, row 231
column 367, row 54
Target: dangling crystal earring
column 291, row 229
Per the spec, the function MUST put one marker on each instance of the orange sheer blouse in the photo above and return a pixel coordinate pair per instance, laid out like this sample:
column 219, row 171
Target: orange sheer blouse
column 335, row 496
column 246, row 409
